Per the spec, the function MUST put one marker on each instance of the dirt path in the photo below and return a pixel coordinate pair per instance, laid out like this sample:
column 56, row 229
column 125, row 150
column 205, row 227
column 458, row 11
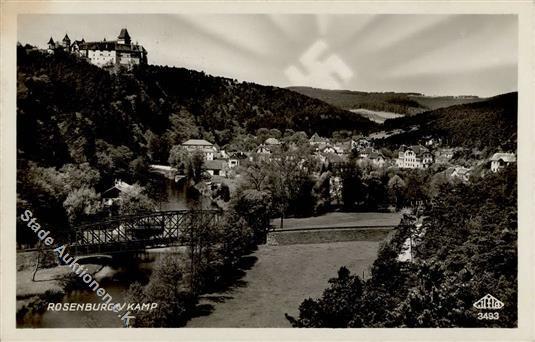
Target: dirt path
column 280, row 279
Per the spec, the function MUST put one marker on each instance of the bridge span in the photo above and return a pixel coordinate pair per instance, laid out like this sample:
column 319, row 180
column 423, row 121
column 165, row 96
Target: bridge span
column 139, row 232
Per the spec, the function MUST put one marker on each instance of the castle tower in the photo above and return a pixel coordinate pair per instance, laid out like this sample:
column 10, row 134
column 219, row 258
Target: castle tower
column 67, row 43
column 51, row 44
column 124, row 37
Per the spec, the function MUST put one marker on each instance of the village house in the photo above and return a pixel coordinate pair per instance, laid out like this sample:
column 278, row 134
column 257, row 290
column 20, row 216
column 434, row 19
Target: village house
column 207, row 148
column 263, row 149
column 377, row 159
column 316, row 140
column 459, row 172
column 120, row 52
column 499, row 160
column 430, row 141
column 236, row 158
column 365, row 152
column 360, row 144
column 111, row 196
column 414, row 157
column 343, row 148
column 329, row 158
column 222, row 154
column 233, row 162
column 444, row 155
column 328, row 149
column 217, row 167
column 269, row 146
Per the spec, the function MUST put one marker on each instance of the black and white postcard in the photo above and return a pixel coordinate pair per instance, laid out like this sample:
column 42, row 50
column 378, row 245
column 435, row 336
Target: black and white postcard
column 334, row 170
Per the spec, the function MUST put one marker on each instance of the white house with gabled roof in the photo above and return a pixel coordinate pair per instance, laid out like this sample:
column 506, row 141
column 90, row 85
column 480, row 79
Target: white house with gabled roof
column 207, row 148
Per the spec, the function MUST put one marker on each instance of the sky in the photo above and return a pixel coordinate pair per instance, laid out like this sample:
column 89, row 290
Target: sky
column 431, row 54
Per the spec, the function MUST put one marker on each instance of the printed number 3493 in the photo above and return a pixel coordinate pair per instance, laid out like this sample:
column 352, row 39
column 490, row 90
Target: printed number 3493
column 488, row 315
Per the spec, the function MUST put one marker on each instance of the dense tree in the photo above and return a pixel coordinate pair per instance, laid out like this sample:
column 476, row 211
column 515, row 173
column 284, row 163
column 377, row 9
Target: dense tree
column 403, row 103
column 82, row 204
column 396, row 190
column 461, row 254
column 490, row 124
column 353, row 187
column 183, row 127
column 255, row 207
column 169, row 288
column 195, row 168
column 179, row 158
column 113, row 161
column 135, row 201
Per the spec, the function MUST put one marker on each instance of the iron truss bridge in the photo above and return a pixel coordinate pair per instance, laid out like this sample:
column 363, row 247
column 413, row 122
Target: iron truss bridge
column 139, row 232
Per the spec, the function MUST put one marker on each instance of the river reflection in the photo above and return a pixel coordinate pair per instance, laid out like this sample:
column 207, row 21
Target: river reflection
column 171, row 195
column 116, row 279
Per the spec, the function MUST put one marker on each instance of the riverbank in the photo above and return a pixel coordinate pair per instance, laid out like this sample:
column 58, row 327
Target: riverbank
column 47, row 285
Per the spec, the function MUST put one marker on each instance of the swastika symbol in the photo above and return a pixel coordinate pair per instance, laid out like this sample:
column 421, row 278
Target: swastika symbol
column 329, row 72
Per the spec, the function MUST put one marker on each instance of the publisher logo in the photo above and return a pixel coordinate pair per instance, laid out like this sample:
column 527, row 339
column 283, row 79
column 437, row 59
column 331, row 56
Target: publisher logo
column 488, row 302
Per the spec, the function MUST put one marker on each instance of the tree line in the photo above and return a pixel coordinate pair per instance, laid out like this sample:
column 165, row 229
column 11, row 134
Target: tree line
column 490, row 124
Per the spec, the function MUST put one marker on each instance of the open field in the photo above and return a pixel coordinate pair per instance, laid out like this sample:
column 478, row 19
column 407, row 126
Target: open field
column 377, row 116
column 280, row 279
column 340, row 219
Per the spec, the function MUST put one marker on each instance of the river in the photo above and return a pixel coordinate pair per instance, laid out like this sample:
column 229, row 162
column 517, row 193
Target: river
column 116, row 278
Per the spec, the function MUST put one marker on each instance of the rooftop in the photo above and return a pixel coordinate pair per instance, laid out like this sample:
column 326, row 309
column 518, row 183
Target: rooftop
column 418, row 149
column 217, row 164
column 119, row 185
column 506, row 157
column 272, row 141
column 376, row 155
column 124, row 34
column 317, row 138
column 197, row 142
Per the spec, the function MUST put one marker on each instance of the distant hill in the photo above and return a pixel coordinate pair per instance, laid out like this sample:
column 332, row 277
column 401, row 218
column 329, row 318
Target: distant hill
column 491, row 123
column 219, row 103
column 400, row 103
column 66, row 107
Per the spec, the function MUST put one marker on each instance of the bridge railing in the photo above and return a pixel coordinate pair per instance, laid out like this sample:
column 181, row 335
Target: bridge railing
column 137, row 231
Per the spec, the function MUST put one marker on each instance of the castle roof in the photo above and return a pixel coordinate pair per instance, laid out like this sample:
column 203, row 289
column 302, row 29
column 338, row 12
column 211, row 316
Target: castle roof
column 104, row 46
column 51, row 41
column 66, row 37
column 110, row 45
column 124, row 34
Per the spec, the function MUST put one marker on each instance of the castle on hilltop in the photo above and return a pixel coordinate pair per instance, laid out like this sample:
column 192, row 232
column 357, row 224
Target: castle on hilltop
column 120, row 52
